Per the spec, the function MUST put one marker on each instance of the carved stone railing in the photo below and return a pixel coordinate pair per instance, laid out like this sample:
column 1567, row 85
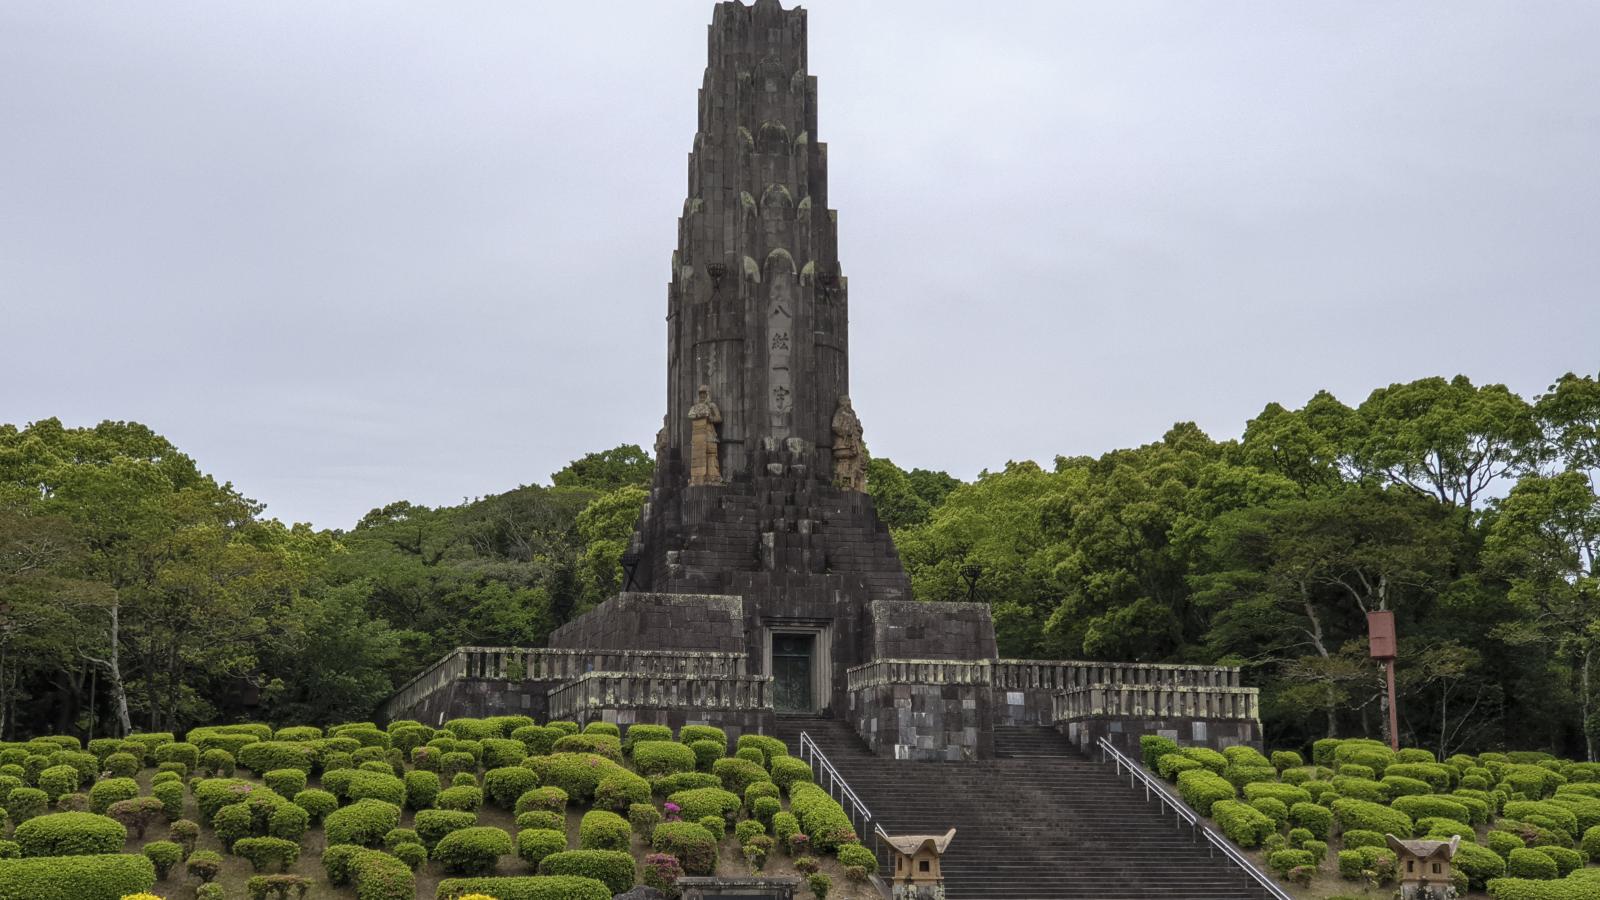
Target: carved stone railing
column 916, row 671
column 622, row 690
column 1056, row 675
column 546, row 664
column 1157, row 702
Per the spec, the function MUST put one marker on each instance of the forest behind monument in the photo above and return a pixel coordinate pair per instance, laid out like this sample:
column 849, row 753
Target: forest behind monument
column 138, row 590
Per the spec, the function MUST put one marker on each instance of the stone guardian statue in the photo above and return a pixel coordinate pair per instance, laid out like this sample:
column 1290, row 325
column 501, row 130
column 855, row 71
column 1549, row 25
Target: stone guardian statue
column 704, row 467
column 849, row 451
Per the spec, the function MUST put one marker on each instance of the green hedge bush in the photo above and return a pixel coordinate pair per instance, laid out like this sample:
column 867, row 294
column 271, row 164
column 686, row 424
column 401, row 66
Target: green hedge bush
column 104, row 793
column 504, row 785
column 106, row 877
column 821, row 816
column 694, row 847
column 613, row 868
column 433, row 824
column 770, row 747
column 535, row 887
column 701, row 802
column 265, row 756
column 1312, row 817
column 542, row 818
column 1431, row 807
column 316, row 802
column 363, row 823
column 656, row 758
column 1478, row 863
column 787, row 770
column 534, row 844
column 501, row 752
column 422, row 789
column 1153, row 746
column 58, row 780
column 603, row 830
column 737, row 774
column 472, row 851
column 287, row 782
column 1527, row 862
column 1201, row 788
column 1367, row 816
column 71, row 834
column 1242, row 823
column 1288, row 793
column 265, row 852
column 465, row 798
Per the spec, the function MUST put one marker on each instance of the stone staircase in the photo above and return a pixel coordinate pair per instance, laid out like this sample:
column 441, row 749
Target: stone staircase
column 1039, row 822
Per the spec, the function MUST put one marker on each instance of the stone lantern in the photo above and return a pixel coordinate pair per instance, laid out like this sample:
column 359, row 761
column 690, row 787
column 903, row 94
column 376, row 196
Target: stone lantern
column 916, row 865
column 1425, row 868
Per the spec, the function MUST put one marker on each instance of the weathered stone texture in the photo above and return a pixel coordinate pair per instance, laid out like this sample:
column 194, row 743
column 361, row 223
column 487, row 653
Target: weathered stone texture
column 637, row 621
column 917, row 630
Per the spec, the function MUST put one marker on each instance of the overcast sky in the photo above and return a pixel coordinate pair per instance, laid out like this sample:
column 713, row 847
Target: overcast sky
column 349, row 253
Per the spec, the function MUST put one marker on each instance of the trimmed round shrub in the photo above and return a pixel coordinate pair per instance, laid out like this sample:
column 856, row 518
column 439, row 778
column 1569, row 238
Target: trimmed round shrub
column 363, row 823
column 576, row 773
column 613, row 868
column 688, row 734
column 1527, row 862
column 738, row 774
column 104, row 793
column 70, row 834
column 758, row 790
column 317, row 803
column 422, row 789
column 136, row 814
column 604, row 745
column 186, row 833
column 1272, row 808
column 1438, row 828
column 457, row 761
column 1174, row 764
column 532, row 887
column 691, row 844
column 752, row 754
column 367, row 785
column 552, row 799
column 463, row 779
column 657, row 757
column 122, row 765
column 534, row 844
column 1201, row 788
column 609, row 729
column 1286, row 759
column 1366, row 816
column 472, row 851
column 602, row 830
column 380, row 876
column 1479, row 863
column 104, row 877
column 644, row 818
column 537, row 740
column 701, row 802
column 185, row 753
column 1438, row 776
column 1566, row 859
column 78, row 802
column 1242, row 823
column 501, row 752
column 1503, row 842
column 1316, row 819
column 266, row 852
column 621, row 790
column 1354, row 840
column 642, row 734
column 821, row 816
column 265, row 756
column 170, row 795
column 787, row 770
column 287, row 782
column 218, row 762
column 684, row 781
column 542, row 819
column 1544, row 812
column 1207, row 757
column 1281, row 861
column 706, row 753
column 413, row 855
column 1431, row 807
column 770, row 747
column 433, row 824
column 750, row 828
column 58, row 780
column 464, row 798
column 288, row 822
column 504, row 786
column 163, row 855
column 1153, row 746
column 231, row 823
column 766, row 808
column 204, row 864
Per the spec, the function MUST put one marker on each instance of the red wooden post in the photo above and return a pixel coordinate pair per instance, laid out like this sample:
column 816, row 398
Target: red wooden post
column 1381, row 640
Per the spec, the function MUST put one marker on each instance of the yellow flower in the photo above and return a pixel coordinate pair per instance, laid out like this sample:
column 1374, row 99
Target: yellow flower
column 475, row 897
column 140, row 897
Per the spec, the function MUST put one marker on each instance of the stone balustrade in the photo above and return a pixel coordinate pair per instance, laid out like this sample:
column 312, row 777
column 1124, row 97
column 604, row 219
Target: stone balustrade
column 1056, row 675
column 546, row 664
column 612, row 691
column 917, row 671
column 1157, row 702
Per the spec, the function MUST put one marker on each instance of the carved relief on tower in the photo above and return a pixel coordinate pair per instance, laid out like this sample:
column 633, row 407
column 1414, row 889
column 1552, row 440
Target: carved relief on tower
column 849, row 448
column 781, row 338
column 705, row 467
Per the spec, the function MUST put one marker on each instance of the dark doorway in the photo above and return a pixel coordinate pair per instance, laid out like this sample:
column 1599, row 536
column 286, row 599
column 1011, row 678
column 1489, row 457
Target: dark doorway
column 792, row 672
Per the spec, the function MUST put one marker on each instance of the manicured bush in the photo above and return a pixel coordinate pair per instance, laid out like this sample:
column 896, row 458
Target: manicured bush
column 422, row 789
column 163, row 855
column 365, row 785
column 186, row 833
column 535, row 887
column 1438, row 828
column 433, row 824
column 505, row 785
column 136, row 814
column 1477, row 809
column 1286, row 759
column 1281, row 861
column 609, row 729
column 1544, row 812
column 691, row 844
column 643, row 818
column 122, row 765
column 218, row 763
column 1363, row 815
column 380, row 876
column 1272, row 808
column 501, row 752
column 105, row 877
column 464, row 798
column 1565, row 858
column 1503, row 842
column 766, row 808
column 1174, row 764
column 599, row 744
column 206, row 864
column 613, row 868
column 758, row 790
column 688, row 734
column 534, row 844
column 602, row 830
column 621, row 790
column 1428, row 807
column 537, row 740
column 1242, row 823
column 1200, row 788
column 1527, row 862
column 787, row 770
column 58, row 780
column 288, row 822
column 668, row 785
column 287, row 782
column 1316, row 819
column 543, row 819
column 317, row 803
column 472, row 851
column 1437, row 775
column 702, row 802
column 821, row 816
column 770, row 747
column 363, row 823
column 231, row 823
column 553, row 799
column 706, row 753
column 70, row 834
column 457, row 761
column 104, row 793
column 658, row 757
column 1153, row 746
column 738, row 774
column 750, row 828
column 1361, row 789
column 576, row 773
column 1213, row 761
column 265, row 852
column 642, row 734
column 265, row 756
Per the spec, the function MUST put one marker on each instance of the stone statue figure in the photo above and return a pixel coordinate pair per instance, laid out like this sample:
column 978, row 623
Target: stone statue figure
column 849, row 452
column 661, row 441
column 704, row 467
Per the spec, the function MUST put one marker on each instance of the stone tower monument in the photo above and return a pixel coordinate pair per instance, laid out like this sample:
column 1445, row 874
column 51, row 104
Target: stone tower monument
column 758, row 508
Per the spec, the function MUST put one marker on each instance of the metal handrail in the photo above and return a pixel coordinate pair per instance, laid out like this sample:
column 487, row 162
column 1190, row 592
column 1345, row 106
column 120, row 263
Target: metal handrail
column 1138, row 776
column 813, row 756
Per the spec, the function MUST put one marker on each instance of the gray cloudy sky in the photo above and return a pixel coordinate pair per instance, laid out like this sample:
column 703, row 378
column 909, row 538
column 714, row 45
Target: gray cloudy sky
column 347, row 253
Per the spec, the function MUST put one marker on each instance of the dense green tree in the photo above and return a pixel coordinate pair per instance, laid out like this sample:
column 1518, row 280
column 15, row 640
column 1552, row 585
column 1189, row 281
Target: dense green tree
column 624, row 466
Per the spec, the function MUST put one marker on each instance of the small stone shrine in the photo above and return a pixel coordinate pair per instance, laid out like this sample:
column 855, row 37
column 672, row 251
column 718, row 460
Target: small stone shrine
column 916, row 865
column 1424, row 867
column 760, row 581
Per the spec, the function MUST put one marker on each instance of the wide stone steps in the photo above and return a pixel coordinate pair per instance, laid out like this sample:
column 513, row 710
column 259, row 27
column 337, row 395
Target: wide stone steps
column 1037, row 823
